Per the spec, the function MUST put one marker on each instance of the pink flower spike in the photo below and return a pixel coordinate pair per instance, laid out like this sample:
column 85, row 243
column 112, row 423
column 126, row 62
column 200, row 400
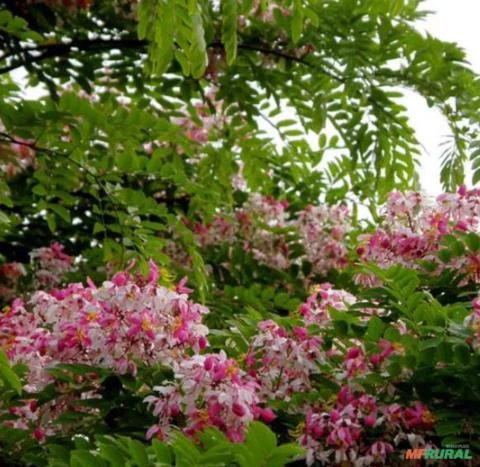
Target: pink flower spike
column 209, row 363
column 181, row 289
column 154, row 430
column 267, row 415
column 462, row 190
column 353, row 352
column 238, row 409
column 120, row 278
column 369, row 420
column 39, row 434
column 154, row 273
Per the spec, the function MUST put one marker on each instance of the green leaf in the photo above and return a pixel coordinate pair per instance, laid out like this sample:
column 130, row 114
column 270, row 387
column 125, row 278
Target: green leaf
column 284, row 454
column 462, row 354
column 4, row 219
column 445, row 256
column 62, row 212
column 163, row 452
column 374, row 329
column 444, row 352
column 297, row 20
column 7, row 375
column 473, row 241
column 138, row 452
column 229, row 28
column 51, row 222
column 261, row 441
column 198, row 48
column 186, row 453
column 83, row 458
column 112, row 454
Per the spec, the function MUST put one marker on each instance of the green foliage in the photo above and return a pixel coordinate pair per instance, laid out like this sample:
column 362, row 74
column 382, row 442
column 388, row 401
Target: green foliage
column 8, row 377
column 259, row 450
column 229, row 29
column 143, row 118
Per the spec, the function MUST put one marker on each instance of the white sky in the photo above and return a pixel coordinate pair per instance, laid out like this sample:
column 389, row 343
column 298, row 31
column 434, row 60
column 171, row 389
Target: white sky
column 453, row 21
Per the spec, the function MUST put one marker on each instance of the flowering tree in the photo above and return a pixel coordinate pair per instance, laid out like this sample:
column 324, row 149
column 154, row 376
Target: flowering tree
column 227, row 147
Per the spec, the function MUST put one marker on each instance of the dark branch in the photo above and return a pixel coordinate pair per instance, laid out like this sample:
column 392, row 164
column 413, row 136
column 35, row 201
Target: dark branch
column 96, row 45
column 47, row 51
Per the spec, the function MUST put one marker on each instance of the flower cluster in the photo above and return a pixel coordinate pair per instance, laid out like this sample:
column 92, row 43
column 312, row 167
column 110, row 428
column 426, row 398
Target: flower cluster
column 281, row 363
column 357, row 362
column 220, row 230
column 348, row 432
column 267, row 14
column 211, row 390
column 130, row 320
column 262, row 219
column 16, row 157
column 256, row 224
column 10, row 276
column 265, row 229
column 415, row 226
column 206, row 118
column 322, row 231
column 126, row 321
column 50, row 265
column 316, row 309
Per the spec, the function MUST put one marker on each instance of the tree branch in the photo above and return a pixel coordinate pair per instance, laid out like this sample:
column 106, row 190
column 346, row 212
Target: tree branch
column 65, row 49
column 48, row 51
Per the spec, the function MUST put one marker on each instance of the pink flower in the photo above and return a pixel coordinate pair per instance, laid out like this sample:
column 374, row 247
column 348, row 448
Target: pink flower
column 369, row 420
column 344, row 434
column 322, row 230
column 73, row 336
column 120, row 278
column 181, row 289
column 418, row 416
column 355, row 362
column 267, row 415
column 39, row 434
column 281, row 362
column 316, row 309
column 155, row 431
column 387, row 349
column 153, row 274
column 51, row 264
column 380, row 450
column 141, row 323
column 238, row 409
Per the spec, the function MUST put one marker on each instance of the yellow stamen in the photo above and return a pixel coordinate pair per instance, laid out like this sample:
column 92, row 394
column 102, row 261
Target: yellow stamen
column 314, row 289
column 231, row 370
column 178, row 323
column 203, row 415
column 297, row 431
column 92, row 316
column 80, row 335
column 8, row 343
column 397, row 346
column 428, row 417
column 146, row 325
